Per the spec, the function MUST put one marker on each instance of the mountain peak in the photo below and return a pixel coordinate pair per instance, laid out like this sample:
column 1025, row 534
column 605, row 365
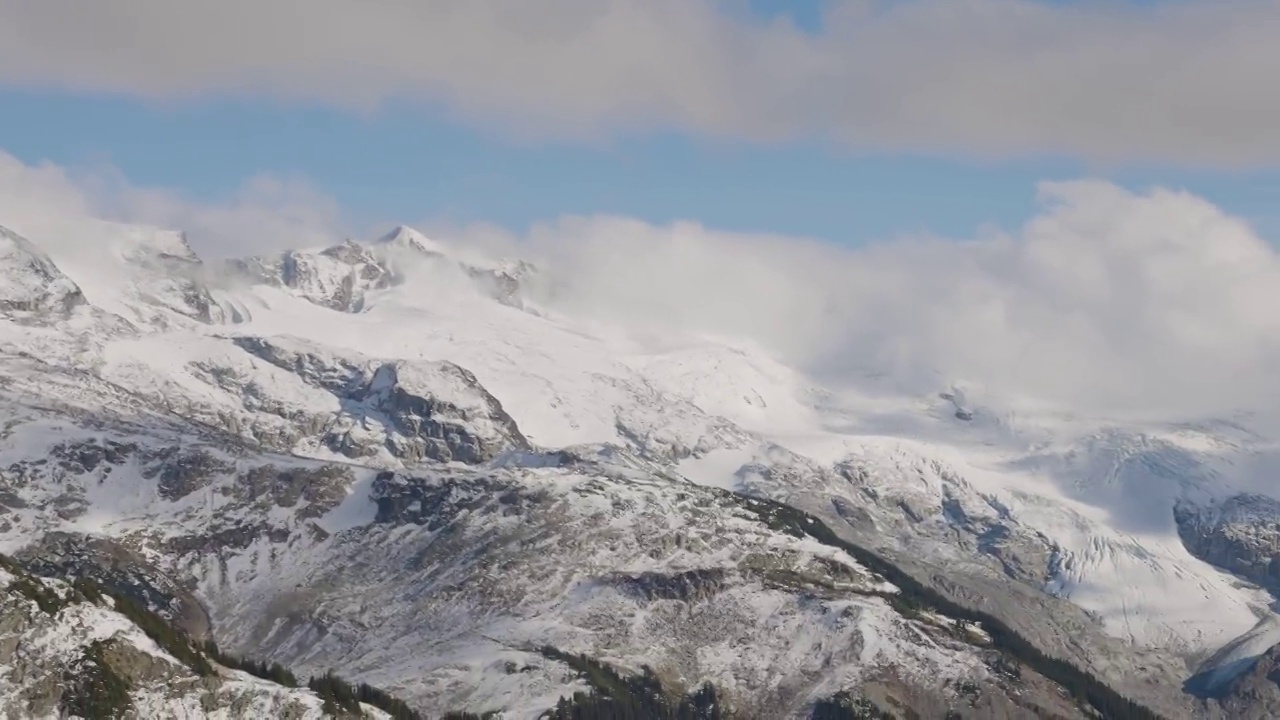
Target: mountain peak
column 406, row 237
column 30, row 281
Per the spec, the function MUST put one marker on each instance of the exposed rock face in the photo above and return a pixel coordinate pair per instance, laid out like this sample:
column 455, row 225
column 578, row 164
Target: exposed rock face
column 87, row 457
column 979, row 555
column 337, row 278
column 265, row 503
column 342, row 277
column 450, row 553
column 181, row 471
column 165, row 279
column 310, row 491
column 687, row 586
column 402, row 500
column 252, row 499
column 504, row 283
column 1240, row 535
column 121, row 569
column 425, row 411
column 178, row 471
column 32, row 288
column 971, row 520
column 466, row 425
column 67, row 654
column 173, row 273
column 1255, row 694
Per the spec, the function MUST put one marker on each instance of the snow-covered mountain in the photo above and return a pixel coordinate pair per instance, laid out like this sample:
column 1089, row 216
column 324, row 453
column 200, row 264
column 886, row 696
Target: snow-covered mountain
column 33, row 285
column 406, row 465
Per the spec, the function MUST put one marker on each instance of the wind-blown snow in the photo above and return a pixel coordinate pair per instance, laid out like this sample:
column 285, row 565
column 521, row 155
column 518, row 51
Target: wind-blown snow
column 31, row 280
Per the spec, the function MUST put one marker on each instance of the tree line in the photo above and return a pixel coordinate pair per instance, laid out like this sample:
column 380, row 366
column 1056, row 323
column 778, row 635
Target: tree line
column 913, row 596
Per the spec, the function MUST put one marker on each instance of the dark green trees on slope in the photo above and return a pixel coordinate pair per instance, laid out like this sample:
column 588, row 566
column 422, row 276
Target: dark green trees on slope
column 638, row 697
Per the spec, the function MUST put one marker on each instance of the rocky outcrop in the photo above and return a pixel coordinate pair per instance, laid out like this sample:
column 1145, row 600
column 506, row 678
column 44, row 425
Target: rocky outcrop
column 1255, row 694
column 331, row 372
column 182, row 289
column 179, row 471
column 414, row 411
column 1241, row 535
column 338, row 277
column 75, row 652
column 214, row 500
column 434, row 502
column 32, row 288
column 167, row 279
column 504, row 282
column 971, row 547
column 269, row 503
column 687, row 586
column 341, row 277
column 632, row 566
column 121, row 569
column 440, row 412
column 311, row 491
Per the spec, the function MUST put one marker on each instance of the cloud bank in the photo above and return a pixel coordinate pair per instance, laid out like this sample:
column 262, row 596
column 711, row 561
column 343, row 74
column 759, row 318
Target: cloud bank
column 1185, row 82
column 1107, row 301
column 267, row 213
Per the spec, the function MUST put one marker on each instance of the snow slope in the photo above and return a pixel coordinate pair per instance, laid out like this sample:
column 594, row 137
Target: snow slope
column 1078, row 509
column 567, row 383
column 32, row 284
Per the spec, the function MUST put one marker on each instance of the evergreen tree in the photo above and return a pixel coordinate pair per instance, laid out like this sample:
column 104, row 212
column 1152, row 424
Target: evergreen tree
column 95, row 691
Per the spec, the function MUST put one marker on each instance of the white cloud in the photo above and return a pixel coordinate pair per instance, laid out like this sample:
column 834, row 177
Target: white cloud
column 268, row 213
column 1184, row 82
column 1108, row 300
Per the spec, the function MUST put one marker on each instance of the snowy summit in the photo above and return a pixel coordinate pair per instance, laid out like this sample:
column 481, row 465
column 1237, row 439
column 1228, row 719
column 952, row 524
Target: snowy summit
column 435, row 477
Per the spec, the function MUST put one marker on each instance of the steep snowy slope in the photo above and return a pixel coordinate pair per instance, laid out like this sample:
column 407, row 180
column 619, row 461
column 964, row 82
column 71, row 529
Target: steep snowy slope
column 148, row 277
column 32, row 285
column 444, row 584
column 567, row 383
column 71, row 652
column 392, row 457
column 341, row 277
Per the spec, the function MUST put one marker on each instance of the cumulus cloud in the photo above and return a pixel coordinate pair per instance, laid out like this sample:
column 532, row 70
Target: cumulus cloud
column 1186, row 82
column 1154, row 303
column 1108, row 300
column 267, row 213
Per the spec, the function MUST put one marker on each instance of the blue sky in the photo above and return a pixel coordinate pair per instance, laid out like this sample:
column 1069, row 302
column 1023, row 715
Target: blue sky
column 408, row 166
column 424, row 163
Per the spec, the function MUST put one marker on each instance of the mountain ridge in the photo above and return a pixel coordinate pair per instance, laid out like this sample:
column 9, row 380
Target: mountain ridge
column 301, row 384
